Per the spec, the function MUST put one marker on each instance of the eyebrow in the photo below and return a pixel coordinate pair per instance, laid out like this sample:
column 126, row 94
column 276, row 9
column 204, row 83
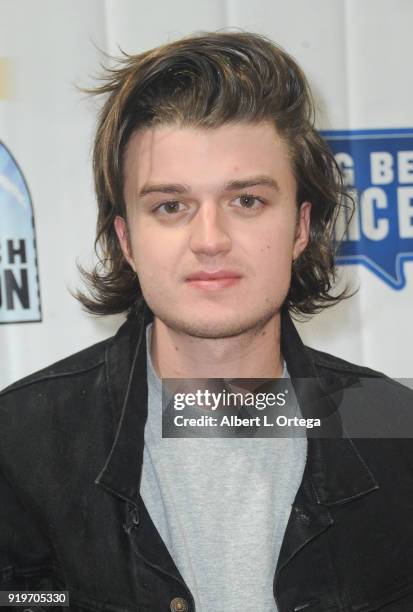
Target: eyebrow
column 177, row 188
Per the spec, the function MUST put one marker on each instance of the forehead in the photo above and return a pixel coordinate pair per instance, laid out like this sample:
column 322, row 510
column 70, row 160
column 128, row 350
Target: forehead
column 206, row 158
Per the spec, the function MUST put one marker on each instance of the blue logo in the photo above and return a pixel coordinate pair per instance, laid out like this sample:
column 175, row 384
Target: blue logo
column 19, row 280
column 377, row 166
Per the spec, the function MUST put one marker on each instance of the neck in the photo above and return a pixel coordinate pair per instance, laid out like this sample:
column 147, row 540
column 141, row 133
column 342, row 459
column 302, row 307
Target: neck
column 253, row 354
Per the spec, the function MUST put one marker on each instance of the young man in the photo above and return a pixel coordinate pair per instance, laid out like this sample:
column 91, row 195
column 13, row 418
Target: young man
column 217, row 200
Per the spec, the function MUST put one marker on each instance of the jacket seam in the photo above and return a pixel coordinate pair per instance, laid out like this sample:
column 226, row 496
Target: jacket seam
column 111, row 398
column 348, row 368
column 44, row 569
column 51, row 376
column 338, row 364
column 399, row 593
column 30, row 570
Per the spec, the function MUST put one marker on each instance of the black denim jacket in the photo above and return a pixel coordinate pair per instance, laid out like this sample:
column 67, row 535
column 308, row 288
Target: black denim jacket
column 71, row 517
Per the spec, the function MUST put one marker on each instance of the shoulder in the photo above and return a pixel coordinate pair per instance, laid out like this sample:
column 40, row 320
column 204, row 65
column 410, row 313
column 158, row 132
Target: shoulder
column 83, row 361
column 326, row 361
column 369, row 403
column 56, row 397
column 361, row 383
column 56, row 422
column 331, row 367
column 47, row 414
column 68, row 390
column 70, row 394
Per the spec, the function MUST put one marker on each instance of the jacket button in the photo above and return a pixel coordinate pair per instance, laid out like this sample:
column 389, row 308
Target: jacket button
column 179, row 604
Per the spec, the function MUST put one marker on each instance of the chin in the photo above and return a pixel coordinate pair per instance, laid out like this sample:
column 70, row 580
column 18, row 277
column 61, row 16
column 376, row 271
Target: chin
column 214, row 328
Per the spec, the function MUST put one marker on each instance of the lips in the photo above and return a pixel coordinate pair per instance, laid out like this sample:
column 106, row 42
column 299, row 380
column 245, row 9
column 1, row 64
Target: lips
column 213, row 280
column 210, row 276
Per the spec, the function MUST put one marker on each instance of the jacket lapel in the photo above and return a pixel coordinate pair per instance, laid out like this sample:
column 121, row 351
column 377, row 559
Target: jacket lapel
column 127, row 388
column 335, row 473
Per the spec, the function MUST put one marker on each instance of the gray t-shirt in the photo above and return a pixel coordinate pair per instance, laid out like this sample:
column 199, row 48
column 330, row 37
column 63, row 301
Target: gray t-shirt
column 221, row 505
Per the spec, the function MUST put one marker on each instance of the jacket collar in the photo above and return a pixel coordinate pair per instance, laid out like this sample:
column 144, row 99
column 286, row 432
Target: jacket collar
column 335, row 471
column 126, row 378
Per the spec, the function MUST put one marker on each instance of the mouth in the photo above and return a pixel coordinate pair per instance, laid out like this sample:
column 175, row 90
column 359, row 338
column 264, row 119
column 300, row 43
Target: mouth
column 213, row 280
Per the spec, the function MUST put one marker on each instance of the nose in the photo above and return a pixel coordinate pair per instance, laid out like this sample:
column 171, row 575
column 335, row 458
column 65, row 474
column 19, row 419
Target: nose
column 209, row 231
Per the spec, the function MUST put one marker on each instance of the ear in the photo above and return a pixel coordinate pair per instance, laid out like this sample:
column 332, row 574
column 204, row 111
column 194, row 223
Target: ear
column 122, row 233
column 303, row 229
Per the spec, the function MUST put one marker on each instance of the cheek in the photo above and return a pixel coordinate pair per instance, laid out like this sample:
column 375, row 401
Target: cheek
column 276, row 250
column 153, row 256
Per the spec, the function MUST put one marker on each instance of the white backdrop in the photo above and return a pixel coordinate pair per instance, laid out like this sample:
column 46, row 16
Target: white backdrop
column 357, row 56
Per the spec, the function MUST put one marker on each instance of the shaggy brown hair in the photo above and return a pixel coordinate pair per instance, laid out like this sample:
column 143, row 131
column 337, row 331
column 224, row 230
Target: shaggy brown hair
column 206, row 81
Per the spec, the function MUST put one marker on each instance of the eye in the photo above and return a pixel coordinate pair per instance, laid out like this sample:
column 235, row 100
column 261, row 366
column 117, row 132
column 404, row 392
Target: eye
column 169, row 208
column 249, row 201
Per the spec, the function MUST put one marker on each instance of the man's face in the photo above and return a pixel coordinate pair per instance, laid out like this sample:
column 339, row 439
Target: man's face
column 212, row 225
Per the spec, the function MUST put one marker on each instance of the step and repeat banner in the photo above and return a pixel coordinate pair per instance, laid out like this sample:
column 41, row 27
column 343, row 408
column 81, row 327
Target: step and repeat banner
column 357, row 58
